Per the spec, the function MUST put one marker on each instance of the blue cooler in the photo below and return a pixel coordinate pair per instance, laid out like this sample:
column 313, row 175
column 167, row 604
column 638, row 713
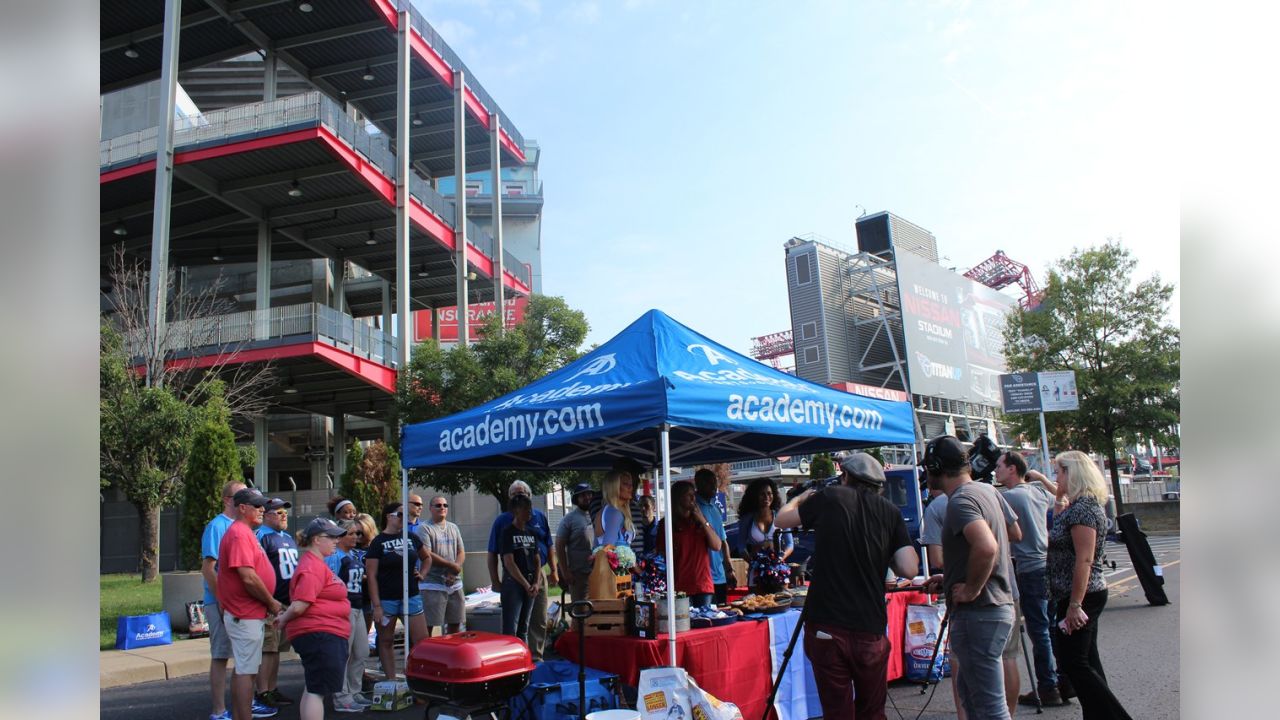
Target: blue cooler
column 138, row 631
column 552, row 693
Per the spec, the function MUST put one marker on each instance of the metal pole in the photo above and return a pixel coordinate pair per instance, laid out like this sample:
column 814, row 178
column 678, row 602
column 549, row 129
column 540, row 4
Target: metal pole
column 1044, row 446
column 403, row 290
column 159, row 291
column 460, row 201
column 262, row 289
column 667, row 539
column 495, row 160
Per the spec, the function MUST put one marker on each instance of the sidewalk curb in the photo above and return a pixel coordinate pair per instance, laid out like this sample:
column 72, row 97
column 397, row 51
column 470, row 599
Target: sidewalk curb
column 183, row 658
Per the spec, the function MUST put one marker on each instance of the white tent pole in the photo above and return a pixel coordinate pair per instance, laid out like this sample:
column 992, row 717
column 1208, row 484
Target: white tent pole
column 406, row 548
column 666, row 527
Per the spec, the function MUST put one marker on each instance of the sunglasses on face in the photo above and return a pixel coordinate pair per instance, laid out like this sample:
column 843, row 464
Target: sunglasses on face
column 359, row 533
column 415, row 504
column 398, row 514
column 440, row 505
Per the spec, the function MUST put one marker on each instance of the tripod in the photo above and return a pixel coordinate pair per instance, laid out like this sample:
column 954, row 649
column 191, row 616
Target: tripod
column 1026, row 656
column 786, row 658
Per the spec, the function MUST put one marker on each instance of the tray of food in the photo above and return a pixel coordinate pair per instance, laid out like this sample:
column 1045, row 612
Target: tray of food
column 778, row 602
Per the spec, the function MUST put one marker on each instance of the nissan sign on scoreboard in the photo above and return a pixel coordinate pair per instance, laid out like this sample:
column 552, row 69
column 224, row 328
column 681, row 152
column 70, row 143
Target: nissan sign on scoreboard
column 954, row 332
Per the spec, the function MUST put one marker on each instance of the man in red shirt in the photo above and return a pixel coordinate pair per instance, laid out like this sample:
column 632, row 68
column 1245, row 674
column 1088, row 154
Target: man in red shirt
column 246, row 582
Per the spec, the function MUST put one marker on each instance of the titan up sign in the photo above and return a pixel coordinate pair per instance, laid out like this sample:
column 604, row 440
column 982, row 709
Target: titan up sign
column 477, row 313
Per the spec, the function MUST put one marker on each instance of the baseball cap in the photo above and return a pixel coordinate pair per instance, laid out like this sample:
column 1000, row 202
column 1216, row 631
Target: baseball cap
column 863, row 467
column 322, row 526
column 249, row 496
column 277, row 503
column 579, row 489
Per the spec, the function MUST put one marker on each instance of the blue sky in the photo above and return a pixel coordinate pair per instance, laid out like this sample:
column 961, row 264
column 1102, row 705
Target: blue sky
column 684, row 142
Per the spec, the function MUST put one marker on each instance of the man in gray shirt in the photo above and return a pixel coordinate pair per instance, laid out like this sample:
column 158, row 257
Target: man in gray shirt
column 1032, row 501
column 977, row 578
column 574, row 538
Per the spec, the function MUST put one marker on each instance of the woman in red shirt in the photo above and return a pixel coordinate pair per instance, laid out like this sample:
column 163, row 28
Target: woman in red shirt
column 317, row 620
column 692, row 537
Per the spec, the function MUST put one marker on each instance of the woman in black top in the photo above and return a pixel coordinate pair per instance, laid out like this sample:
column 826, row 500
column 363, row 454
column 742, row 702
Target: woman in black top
column 384, row 570
column 1077, row 589
column 521, row 578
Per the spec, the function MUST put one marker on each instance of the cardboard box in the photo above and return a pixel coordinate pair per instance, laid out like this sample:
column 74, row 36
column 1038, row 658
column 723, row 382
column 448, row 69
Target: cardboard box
column 739, row 570
column 391, row 696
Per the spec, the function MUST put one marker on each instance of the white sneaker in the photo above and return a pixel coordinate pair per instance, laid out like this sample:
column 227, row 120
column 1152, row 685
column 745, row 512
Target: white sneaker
column 362, row 699
column 349, row 707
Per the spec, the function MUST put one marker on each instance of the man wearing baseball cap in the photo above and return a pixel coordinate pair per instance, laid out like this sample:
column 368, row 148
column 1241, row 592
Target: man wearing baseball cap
column 245, row 586
column 282, row 552
column 574, row 538
column 859, row 536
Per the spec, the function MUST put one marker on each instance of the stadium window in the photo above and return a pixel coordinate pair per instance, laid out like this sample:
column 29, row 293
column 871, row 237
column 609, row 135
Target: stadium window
column 811, row 355
column 809, row 331
column 804, row 269
column 473, row 188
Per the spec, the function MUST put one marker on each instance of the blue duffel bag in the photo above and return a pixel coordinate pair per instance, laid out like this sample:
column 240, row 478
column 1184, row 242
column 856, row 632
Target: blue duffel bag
column 137, row 631
column 552, row 693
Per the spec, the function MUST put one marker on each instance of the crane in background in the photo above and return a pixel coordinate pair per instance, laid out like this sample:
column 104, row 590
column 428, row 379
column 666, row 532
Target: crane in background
column 772, row 348
column 1000, row 271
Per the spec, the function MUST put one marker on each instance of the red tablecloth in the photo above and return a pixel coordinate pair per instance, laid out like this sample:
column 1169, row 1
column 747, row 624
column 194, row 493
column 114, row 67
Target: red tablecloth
column 730, row 662
column 896, row 607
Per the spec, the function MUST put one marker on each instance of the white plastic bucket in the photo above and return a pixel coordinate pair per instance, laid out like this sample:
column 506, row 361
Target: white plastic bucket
column 619, row 714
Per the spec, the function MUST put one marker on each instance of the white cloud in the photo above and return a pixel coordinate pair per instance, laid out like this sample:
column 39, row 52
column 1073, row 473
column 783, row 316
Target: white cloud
column 585, row 12
column 455, row 32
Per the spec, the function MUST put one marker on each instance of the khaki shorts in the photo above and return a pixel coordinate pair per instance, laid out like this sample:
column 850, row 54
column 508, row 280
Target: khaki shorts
column 272, row 640
column 219, row 643
column 444, row 607
column 246, row 642
column 1012, row 648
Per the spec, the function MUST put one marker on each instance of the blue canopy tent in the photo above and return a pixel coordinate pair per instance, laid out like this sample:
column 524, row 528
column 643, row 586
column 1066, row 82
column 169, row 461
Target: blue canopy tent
column 660, row 393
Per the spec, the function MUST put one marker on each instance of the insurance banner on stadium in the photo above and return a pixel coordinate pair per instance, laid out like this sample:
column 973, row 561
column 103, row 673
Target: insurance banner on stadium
column 656, row 372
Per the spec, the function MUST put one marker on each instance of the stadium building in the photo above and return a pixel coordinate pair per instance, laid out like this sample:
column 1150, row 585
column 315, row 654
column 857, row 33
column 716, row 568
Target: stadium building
column 301, row 158
column 887, row 320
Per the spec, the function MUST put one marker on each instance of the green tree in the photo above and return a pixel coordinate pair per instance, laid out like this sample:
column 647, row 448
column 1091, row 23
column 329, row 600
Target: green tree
column 347, row 484
column 145, row 438
column 1096, row 320
column 376, row 479
column 822, row 466
column 441, row 382
column 213, row 462
column 150, row 405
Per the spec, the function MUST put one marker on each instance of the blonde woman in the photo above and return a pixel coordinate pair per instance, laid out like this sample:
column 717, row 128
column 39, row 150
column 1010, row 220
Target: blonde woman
column 1077, row 589
column 613, row 524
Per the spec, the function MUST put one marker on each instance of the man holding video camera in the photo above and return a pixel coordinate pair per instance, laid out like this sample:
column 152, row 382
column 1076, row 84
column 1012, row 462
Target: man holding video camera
column 858, row 536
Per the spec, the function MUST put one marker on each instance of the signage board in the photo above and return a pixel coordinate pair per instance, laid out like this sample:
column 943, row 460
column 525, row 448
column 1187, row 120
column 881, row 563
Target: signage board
column 477, row 313
column 1039, row 392
column 1058, row 390
column 1020, row 393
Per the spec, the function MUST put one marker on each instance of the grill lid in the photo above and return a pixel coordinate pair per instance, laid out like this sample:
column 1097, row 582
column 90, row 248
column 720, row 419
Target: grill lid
column 469, row 657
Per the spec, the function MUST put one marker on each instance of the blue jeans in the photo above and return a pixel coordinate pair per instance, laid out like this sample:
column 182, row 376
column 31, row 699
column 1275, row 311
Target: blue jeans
column 517, row 607
column 978, row 637
column 1034, row 590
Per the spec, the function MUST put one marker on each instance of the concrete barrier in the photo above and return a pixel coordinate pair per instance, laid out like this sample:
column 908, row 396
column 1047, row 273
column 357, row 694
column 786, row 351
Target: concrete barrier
column 1157, row 517
column 176, row 590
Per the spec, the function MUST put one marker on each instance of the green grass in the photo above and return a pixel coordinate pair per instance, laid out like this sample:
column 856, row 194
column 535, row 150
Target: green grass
column 124, row 595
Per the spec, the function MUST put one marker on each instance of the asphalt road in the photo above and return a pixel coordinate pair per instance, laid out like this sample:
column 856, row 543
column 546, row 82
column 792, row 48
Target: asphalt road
column 1139, row 647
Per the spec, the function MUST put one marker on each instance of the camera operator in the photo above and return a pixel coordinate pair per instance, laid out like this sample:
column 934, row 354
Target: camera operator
column 861, row 535
column 977, row 578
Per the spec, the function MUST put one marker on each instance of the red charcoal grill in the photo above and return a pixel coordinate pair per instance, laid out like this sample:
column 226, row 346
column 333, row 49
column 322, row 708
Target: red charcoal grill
column 471, row 672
